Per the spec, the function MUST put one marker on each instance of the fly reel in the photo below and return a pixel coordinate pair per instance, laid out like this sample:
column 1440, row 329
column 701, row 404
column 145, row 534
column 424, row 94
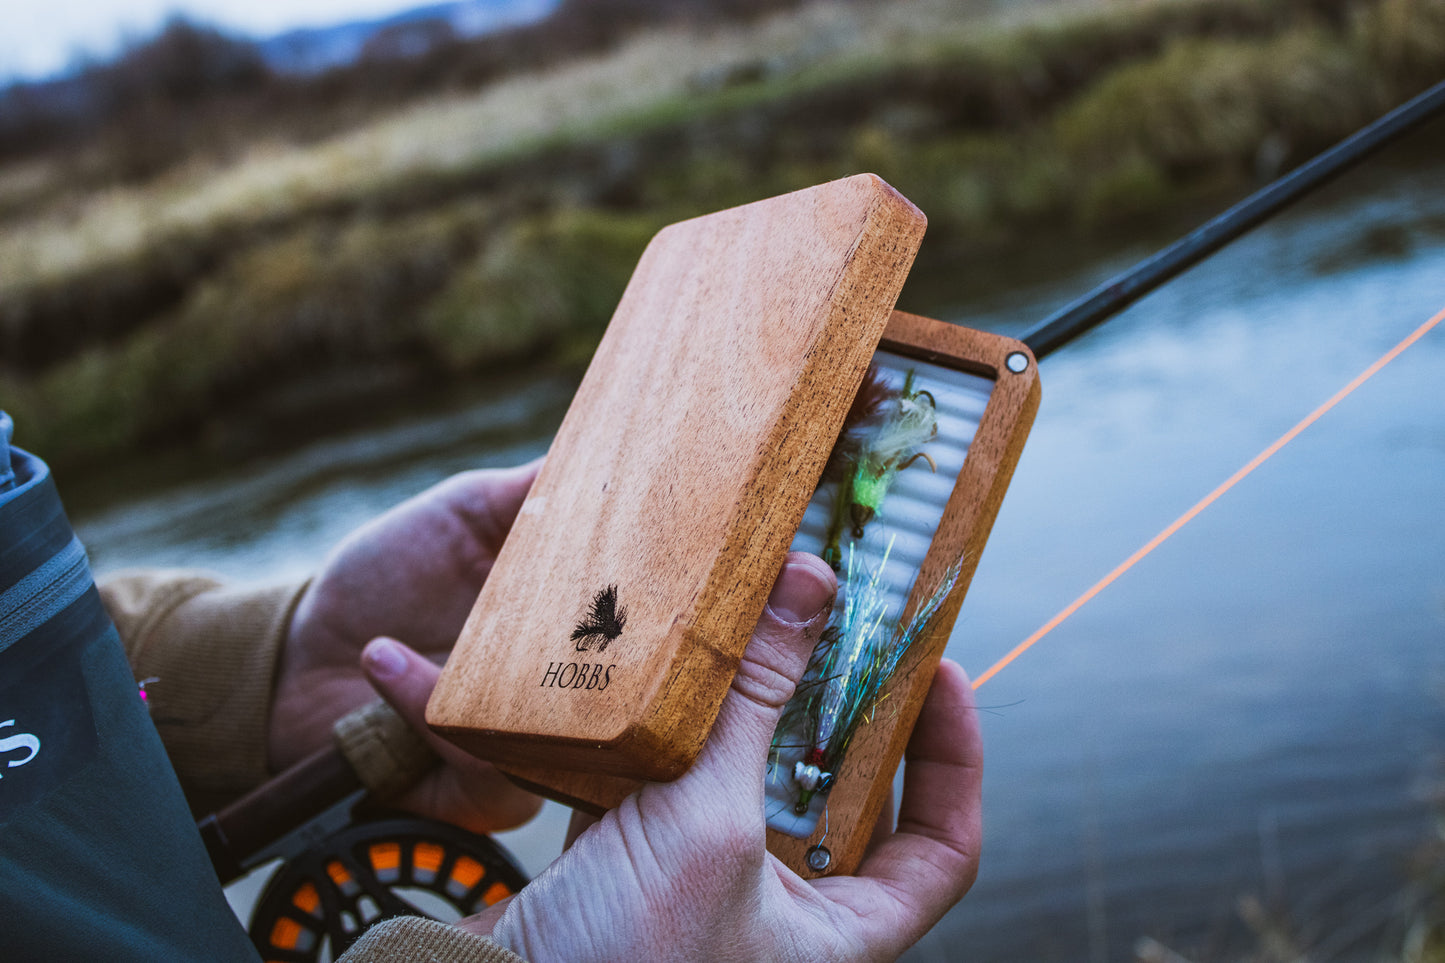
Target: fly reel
column 347, row 864
column 322, row 900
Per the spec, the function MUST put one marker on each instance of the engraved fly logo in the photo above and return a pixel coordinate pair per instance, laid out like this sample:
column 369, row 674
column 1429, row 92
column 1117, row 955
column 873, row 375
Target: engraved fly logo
column 603, row 624
column 19, row 742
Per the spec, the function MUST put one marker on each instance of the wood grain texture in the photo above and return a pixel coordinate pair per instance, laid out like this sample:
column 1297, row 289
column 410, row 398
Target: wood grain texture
column 865, row 779
column 678, row 476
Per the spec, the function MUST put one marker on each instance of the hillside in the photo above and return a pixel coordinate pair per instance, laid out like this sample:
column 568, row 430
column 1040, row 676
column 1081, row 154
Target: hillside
column 428, row 238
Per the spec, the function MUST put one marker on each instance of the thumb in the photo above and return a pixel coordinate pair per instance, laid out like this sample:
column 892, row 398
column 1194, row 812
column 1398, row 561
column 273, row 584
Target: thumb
column 796, row 613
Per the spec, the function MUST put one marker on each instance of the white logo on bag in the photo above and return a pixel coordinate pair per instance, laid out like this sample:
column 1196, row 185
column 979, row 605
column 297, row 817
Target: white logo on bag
column 20, row 742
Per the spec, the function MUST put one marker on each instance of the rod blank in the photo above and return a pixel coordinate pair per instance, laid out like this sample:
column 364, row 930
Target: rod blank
column 1118, row 293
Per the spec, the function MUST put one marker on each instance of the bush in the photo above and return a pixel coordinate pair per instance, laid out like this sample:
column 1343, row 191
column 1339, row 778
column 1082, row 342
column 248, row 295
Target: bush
column 547, row 281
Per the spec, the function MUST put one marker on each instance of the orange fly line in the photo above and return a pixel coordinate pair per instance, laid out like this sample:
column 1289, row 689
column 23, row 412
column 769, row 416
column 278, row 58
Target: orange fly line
column 1208, row 500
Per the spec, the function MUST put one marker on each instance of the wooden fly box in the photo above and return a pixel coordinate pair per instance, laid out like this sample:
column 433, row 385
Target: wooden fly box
column 613, row 622
column 675, row 483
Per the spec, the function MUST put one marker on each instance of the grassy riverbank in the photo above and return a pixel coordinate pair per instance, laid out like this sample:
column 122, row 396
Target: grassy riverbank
column 496, row 227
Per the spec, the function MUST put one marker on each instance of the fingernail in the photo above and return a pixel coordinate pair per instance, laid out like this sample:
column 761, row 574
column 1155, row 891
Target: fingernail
column 802, row 592
column 385, row 659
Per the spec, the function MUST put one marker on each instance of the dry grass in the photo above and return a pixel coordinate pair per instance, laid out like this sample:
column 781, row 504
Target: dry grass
column 474, row 230
column 448, row 136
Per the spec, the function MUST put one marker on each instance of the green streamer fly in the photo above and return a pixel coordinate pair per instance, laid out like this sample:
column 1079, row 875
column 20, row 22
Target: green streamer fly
column 884, row 433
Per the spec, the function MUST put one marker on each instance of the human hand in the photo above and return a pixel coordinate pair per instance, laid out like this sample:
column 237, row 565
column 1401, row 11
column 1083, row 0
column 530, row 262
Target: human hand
column 679, row 870
column 412, row 573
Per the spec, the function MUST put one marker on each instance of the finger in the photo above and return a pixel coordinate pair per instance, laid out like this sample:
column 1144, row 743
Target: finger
column 467, row 790
column 405, row 679
column 796, row 613
column 943, row 774
column 932, row 859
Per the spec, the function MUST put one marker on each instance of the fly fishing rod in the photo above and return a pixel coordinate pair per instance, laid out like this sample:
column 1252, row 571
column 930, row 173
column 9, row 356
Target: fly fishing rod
column 1116, row 294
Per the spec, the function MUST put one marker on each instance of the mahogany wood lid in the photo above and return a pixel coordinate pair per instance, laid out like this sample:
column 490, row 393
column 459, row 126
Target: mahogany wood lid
column 615, row 617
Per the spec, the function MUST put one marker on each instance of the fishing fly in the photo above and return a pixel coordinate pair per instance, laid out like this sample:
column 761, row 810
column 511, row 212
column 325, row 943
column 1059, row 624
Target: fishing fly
column 848, row 673
column 884, row 432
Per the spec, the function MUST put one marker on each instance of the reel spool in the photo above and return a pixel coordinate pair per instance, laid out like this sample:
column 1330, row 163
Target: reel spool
column 347, row 865
column 322, row 900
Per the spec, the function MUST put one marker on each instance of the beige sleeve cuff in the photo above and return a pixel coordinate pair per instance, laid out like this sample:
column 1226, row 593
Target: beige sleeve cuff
column 409, row 939
column 210, row 652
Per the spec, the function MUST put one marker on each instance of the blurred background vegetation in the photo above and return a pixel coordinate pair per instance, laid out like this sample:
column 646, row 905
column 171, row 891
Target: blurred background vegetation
column 198, row 250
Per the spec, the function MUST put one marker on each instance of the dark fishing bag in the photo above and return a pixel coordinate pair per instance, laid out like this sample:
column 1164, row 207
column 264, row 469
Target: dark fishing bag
column 99, row 857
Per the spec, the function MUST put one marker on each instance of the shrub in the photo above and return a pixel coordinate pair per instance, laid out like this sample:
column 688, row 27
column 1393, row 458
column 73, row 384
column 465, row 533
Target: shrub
column 548, row 280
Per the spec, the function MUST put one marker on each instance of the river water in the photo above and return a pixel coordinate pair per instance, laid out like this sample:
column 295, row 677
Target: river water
column 1255, row 714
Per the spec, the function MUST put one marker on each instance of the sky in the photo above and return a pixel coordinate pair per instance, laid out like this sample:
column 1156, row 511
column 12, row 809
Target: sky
column 39, row 38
